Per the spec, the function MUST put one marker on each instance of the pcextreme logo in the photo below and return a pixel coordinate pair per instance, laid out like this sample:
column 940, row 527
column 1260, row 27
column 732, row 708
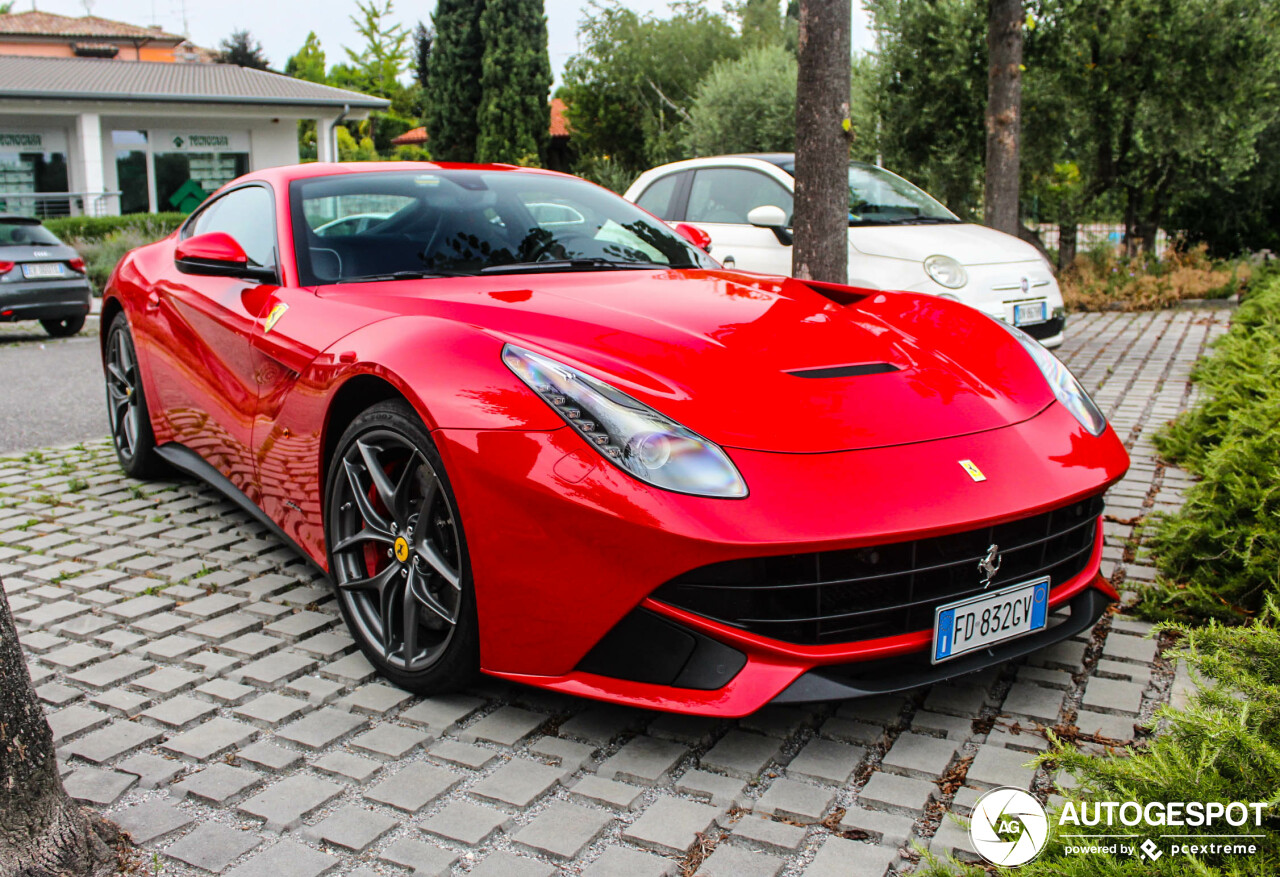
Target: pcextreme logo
column 1010, row 827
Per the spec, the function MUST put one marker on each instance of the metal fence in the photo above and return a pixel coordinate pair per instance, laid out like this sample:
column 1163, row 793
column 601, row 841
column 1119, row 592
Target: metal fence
column 48, row 205
column 1098, row 234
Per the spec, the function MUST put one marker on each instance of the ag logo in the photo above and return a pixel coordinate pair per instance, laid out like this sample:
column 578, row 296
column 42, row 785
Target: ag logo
column 1009, row 827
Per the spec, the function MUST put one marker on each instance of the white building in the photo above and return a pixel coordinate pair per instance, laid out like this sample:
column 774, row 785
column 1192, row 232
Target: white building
column 106, row 136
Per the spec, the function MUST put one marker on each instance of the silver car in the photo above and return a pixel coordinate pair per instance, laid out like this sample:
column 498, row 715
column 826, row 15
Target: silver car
column 41, row 278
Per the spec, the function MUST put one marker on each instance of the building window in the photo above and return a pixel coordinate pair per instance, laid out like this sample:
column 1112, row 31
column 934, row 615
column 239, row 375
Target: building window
column 131, row 170
column 33, row 163
column 191, row 165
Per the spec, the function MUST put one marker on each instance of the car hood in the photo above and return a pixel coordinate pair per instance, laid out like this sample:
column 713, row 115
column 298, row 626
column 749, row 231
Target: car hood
column 966, row 243
column 720, row 351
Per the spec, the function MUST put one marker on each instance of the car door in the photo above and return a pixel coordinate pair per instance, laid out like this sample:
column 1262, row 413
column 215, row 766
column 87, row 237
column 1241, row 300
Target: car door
column 205, row 378
column 720, row 199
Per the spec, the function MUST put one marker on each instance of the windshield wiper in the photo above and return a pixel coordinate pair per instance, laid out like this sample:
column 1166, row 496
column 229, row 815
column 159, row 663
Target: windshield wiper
column 406, row 275
column 568, row 265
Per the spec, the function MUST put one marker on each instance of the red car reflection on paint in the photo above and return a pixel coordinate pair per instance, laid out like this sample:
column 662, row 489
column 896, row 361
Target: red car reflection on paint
column 526, row 429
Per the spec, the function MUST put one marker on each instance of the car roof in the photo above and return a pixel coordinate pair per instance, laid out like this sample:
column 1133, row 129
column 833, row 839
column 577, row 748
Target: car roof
column 283, row 175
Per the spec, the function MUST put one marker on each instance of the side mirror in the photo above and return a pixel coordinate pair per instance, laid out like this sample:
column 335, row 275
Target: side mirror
column 773, row 218
column 695, row 236
column 218, row 254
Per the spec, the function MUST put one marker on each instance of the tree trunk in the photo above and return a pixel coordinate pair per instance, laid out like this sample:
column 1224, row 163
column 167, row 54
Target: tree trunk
column 821, row 220
column 1004, row 114
column 42, row 831
column 1068, row 237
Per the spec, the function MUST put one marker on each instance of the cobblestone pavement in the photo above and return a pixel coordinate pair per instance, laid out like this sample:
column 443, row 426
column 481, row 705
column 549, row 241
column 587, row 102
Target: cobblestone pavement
column 204, row 693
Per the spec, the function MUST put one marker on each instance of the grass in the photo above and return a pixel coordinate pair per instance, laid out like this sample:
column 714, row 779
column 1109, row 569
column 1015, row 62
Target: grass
column 1101, row 279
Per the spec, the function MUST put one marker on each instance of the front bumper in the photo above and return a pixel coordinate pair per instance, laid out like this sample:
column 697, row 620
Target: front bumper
column 44, row 300
column 564, row 547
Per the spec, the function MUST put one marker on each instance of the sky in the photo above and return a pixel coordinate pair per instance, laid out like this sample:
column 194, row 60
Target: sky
column 282, row 25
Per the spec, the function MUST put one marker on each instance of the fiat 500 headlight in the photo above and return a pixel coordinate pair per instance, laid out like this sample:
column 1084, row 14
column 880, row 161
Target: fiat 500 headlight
column 638, row 440
column 1065, row 387
column 946, row 271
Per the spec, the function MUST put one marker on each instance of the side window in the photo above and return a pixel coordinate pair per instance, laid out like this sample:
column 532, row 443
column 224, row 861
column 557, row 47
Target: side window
column 727, row 194
column 658, row 198
column 248, row 216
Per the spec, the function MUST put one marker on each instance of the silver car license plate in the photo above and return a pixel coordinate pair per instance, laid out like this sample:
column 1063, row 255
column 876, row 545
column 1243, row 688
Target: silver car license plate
column 977, row 622
column 35, row 270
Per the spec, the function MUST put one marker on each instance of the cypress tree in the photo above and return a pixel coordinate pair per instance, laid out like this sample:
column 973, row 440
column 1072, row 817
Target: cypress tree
column 454, row 72
column 515, row 81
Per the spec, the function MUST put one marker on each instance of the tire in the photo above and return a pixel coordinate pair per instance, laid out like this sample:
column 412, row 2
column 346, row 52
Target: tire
column 65, row 327
column 397, row 554
column 127, row 412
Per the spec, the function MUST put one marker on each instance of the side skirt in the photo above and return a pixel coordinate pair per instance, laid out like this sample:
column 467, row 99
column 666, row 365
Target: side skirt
column 186, row 460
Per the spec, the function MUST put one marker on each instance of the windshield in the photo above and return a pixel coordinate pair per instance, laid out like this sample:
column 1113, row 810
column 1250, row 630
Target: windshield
column 19, row 232
column 384, row 225
column 877, row 197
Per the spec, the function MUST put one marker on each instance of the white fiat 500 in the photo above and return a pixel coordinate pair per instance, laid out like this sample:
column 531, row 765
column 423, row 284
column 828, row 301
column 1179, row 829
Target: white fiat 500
column 899, row 236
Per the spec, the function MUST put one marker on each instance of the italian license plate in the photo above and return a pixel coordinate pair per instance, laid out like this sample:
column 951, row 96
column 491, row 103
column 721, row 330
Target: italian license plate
column 980, row 621
column 42, row 269
column 1031, row 312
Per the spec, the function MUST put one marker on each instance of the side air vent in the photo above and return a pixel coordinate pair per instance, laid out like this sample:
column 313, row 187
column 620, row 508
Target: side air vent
column 846, row 371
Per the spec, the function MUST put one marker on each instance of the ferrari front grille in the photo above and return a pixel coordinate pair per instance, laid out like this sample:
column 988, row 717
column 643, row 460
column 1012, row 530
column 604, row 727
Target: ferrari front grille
column 864, row 593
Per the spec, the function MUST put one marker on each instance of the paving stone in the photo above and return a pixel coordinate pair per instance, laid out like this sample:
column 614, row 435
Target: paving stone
column 623, row 862
column 251, row 645
column 1034, row 702
column 1113, row 696
column 212, row 664
column 172, row 648
column 269, row 756
column 519, row 782
column 274, row 670
column 794, row 800
column 112, row 741
column 562, row 830
column 322, row 728
column 671, row 825
column 226, row 692
column 352, row 670
column 508, row 865
column 74, row 720
column 168, row 681
column 956, row 699
column 330, row 645
column 838, row 857
column 218, row 783
column 413, row 787
column 352, row 827
column 741, row 754
column 564, row 753
column 1102, row 724
column 94, row 785
column 607, row 792
column 287, row 858
column 151, row 820
column 180, row 711
column 284, row 804
column 952, row 839
column 121, row 702
column 160, row 624
column 299, row 624
column 213, row 738
column 271, row 709
column 225, row 627
column 112, row 672
column 1137, row 672
column 995, row 766
column 601, row 723
column 852, row 731
column 826, row 761
column 883, row 709
column 881, row 827
column 465, row 823
column 389, row 741
column 720, row 790
column 315, row 689
column 777, row 721
column 375, row 700
column 759, row 831
column 74, row 656
column 918, row 755
column 727, row 861
column 139, row 607
column 897, row 794
column 465, row 754
column 213, row 846
column 57, row 694
column 210, row 607
column 426, row 860
column 505, row 726
column 152, row 771
column 344, row 764
column 642, row 759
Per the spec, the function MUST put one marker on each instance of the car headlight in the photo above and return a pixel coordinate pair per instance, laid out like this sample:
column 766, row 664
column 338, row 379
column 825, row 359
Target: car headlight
column 638, row 440
column 946, row 271
column 1065, row 387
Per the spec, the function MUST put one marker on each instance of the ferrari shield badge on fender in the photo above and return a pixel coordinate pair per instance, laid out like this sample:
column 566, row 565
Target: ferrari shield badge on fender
column 972, row 468
column 274, row 317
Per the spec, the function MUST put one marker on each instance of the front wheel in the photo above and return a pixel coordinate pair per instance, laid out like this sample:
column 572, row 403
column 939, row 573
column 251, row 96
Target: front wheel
column 398, row 555
column 64, row 327
column 127, row 405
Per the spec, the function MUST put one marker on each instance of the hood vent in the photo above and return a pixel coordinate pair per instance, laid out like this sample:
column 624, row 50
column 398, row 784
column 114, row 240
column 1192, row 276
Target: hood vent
column 846, row 371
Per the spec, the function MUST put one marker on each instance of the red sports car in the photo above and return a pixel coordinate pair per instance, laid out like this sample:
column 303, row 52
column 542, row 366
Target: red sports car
column 526, row 429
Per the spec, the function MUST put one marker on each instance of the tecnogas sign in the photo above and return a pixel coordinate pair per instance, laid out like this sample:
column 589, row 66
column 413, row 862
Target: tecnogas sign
column 201, row 141
column 1010, row 827
column 19, row 141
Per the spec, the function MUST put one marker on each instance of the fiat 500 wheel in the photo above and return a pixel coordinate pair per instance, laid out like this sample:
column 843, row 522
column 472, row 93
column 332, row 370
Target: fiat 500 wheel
column 131, row 433
column 397, row 553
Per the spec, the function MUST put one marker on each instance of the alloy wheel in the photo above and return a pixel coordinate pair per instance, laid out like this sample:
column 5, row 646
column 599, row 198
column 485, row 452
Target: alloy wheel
column 122, row 393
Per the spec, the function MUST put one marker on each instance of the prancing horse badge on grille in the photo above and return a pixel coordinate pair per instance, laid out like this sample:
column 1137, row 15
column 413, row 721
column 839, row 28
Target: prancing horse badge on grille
column 989, row 565
column 972, row 468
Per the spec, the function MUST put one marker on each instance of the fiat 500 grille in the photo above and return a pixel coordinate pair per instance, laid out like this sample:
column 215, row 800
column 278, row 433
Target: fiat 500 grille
column 865, row 593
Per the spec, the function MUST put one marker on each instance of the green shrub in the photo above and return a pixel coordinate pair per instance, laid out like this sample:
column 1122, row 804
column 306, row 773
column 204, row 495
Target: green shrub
column 102, row 254
column 1220, row 554
column 1225, row 746
column 97, row 227
column 1101, row 278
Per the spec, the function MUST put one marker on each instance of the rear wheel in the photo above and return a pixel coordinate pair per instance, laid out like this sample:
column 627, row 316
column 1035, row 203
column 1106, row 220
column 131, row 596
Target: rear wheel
column 127, row 405
column 397, row 552
column 63, row 327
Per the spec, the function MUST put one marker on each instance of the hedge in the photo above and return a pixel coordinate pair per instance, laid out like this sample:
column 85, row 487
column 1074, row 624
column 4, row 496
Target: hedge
column 92, row 228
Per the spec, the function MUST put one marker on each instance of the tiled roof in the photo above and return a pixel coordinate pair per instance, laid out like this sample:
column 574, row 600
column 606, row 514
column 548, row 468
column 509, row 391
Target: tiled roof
column 412, row 137
column 34, row 23
column 559, row 127
column 107, row 79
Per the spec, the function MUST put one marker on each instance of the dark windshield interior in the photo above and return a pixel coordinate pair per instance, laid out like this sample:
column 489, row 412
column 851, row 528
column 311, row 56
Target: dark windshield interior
column 376, row 225
column 16, row 232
